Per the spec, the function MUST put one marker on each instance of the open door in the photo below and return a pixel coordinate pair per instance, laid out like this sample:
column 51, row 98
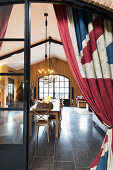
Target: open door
column 14, row 119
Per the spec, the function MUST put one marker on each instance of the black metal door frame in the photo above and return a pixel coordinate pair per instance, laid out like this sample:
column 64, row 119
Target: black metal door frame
column 15, row 156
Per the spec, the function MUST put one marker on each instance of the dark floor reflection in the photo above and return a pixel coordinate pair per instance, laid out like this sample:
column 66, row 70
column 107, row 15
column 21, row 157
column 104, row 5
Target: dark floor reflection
column 75, row 149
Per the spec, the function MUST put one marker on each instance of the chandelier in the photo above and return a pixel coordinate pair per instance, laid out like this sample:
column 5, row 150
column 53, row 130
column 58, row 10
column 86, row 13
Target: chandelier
column 48, row 71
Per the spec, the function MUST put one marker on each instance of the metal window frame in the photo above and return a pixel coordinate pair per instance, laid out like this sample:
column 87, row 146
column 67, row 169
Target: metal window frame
column 54, row 86
column 26, row 74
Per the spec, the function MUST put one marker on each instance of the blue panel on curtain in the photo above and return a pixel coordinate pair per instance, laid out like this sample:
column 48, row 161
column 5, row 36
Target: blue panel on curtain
column 81, row 21
column 103, row 162
column 109, row 49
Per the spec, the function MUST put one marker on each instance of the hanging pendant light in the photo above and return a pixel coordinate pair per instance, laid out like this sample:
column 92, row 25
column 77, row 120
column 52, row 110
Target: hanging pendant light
column 48, row 71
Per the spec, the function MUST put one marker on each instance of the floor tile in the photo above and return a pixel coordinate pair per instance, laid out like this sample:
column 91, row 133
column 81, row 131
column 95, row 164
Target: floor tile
column 64, row 166
column 42, row 163
column 83, row 158
column 75, row 149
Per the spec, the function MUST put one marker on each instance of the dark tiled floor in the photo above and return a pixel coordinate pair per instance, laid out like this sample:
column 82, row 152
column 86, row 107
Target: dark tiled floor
column 76, row 147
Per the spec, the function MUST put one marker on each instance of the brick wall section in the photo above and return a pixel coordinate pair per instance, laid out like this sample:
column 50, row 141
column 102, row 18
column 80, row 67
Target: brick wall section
column 106, row 4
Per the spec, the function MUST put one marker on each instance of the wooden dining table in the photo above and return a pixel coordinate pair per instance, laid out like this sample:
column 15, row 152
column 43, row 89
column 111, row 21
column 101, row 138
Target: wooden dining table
column 55, row 111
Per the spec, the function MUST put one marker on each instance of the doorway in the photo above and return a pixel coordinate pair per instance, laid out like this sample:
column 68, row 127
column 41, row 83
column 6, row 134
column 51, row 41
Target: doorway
column 10, row 92
column 18, row 150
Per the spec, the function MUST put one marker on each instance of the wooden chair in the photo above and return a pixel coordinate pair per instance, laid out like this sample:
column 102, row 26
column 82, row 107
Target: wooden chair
column 43, row 120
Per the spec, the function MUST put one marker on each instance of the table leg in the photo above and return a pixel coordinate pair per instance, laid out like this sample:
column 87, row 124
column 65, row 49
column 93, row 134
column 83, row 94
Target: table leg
column 56, row 125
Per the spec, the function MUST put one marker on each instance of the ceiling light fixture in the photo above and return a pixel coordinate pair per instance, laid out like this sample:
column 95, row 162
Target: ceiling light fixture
column 48, row 71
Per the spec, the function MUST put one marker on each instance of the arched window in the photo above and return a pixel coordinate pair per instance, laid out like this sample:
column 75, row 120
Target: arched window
column 58, row 88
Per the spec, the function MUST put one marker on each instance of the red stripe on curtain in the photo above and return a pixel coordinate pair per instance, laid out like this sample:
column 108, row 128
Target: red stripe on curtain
column 90, row 94
column 5, row 12
column 97, row 23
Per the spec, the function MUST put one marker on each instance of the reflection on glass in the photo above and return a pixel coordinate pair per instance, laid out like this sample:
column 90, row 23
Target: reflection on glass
column 11, row 127
column 8, row 65
column 11, row 91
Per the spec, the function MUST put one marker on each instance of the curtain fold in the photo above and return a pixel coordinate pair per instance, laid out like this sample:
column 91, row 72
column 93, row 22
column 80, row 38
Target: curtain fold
column 5, row 12
column 88, row 44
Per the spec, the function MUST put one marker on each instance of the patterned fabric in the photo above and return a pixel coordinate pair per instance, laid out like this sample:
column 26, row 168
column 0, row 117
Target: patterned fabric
column 5, row 12
column 88, row 44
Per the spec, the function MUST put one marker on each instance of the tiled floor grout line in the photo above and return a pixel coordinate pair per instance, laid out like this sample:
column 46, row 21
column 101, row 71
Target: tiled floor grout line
column 71, row 144
column 67, row 139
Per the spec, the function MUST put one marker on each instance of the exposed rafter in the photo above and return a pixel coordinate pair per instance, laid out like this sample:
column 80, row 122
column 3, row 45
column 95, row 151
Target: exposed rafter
column 33, row 45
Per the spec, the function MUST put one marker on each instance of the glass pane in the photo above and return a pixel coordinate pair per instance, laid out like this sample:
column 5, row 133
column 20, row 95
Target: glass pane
column 66, row 79
column 45, row 95
column 40, row 95
column 66, row 96
column 56, row 84
column 45, row 85
column 66, row 90
column 56, row 90
column 40, row 84
column 41, row 79
column 61, row 78
column 50, row 90
column 51, row 84
column 15, row 28
column 14, row 63
column 57, row 95
column 46, row 90
column 56, row 77
column 66, row 84
column 11, row 127
column 62, row 90
column 61, row 95
column 11, row 91
column 41, row 90
column 61, row 84
column 51, row 94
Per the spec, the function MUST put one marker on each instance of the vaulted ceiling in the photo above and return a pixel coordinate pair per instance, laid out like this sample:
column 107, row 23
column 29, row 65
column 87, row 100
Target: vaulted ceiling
column 15, row 29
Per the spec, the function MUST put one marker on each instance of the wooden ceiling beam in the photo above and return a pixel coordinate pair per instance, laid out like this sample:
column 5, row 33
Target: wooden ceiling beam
column 33, row 45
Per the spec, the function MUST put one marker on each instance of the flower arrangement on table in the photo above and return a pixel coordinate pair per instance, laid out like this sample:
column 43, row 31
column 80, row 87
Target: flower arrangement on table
column 45, row 104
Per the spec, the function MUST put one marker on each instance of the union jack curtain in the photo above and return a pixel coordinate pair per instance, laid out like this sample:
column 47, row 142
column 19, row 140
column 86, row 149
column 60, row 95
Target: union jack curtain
column 88, row 44
column 5, row 12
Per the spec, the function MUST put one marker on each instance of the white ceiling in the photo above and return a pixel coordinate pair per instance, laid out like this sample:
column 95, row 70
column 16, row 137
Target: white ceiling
column 15, row 29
